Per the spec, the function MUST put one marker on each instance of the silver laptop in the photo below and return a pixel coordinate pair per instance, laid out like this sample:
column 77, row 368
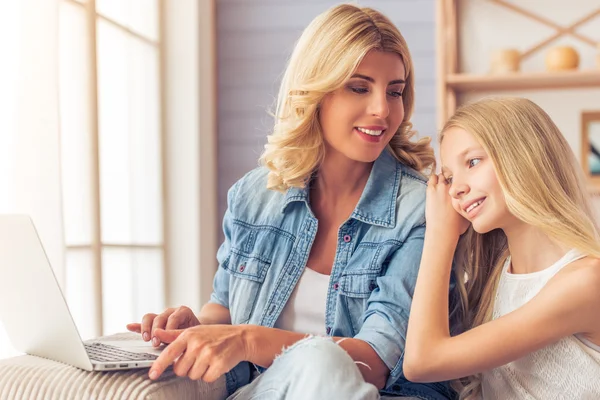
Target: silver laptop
column 35, row 314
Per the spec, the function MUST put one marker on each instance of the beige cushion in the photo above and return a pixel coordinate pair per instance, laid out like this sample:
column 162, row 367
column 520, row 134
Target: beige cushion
column 29, row 377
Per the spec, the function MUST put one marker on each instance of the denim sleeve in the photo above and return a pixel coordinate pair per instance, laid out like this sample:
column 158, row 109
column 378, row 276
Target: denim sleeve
column 385, row 320
column 220, row 293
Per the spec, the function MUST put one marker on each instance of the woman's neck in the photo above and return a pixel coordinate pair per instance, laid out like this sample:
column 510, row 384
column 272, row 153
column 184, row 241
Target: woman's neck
column 531, row 250
column 340, row 178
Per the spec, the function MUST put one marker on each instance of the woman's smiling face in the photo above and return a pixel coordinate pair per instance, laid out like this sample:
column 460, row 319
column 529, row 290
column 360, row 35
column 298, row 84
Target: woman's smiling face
column 359, row 119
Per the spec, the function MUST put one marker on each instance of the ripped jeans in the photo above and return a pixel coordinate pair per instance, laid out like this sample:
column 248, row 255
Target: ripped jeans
column 313, row 368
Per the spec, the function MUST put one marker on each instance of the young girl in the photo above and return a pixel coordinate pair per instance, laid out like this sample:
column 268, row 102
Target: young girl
column 325, row 238
column 511, row 186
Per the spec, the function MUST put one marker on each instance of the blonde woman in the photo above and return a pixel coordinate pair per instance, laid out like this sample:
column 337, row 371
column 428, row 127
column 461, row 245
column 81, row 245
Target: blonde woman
column 325, row 238
column 529, row 254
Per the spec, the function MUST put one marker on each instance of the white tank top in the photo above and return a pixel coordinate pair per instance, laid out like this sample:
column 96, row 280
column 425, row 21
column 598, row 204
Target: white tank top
column 305, row 310
column 567, row 369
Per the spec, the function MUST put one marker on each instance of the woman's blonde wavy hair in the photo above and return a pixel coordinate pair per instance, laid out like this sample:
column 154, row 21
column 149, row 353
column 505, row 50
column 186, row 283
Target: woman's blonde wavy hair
column 543, row 186
column 325, row 57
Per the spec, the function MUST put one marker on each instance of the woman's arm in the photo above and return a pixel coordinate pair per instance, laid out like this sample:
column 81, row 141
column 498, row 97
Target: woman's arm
column 264, row 344
column 221, row 347
column 214, row 314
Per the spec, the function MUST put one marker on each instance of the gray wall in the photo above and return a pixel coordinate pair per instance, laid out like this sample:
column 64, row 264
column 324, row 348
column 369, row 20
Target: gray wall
column 255, row 37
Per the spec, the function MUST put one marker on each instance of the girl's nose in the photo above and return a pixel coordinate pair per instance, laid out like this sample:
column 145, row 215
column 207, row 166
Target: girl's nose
column 458, row 190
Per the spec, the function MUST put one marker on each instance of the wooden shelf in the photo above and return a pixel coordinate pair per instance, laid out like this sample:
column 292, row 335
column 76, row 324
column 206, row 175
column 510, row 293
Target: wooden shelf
column 524, row 81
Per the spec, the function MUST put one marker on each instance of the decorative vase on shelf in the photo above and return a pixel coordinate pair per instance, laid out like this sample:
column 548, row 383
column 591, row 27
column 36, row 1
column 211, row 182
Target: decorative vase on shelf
column 562, row 58
column 505, row 61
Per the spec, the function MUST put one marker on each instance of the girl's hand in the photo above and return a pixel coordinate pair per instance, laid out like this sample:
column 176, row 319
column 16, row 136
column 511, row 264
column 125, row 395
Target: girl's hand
column 440, row 215
column 202, row 352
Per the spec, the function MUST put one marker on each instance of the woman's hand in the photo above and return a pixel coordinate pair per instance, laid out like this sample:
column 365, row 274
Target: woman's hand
column 441, row 217
column 203, row 352
column 172, row 318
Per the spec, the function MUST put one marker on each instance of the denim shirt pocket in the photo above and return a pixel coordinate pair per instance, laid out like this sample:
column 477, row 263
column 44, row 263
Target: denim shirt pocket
column 355, row 290
column 358, row 284
column 247, row 276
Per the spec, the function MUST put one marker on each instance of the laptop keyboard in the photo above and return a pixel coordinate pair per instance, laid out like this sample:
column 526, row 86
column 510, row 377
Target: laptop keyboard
column 106, row 353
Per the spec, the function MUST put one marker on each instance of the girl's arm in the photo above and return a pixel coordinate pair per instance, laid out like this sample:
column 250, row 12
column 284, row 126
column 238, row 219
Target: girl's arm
column 567, row 305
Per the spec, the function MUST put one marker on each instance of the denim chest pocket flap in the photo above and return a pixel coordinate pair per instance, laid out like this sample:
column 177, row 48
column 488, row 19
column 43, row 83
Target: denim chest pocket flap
column 358, row 284
column 251, row 267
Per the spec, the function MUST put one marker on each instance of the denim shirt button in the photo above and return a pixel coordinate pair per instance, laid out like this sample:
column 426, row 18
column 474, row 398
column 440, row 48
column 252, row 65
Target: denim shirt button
column 242, row 267
column 372, row 286
column 347, row 238
column 328, row 330
column 336, row 286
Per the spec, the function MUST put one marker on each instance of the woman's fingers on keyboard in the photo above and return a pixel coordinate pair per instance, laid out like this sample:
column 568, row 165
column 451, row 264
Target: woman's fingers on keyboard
column 147, row 321
column 160, row 322
column 135, row 327
column 183, row 317
column 171, row 318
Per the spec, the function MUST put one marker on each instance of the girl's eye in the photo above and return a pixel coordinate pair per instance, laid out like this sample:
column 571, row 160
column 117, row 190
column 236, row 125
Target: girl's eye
column 449, row 180
column 473, row 162
column 359, row 90
column 396, row 94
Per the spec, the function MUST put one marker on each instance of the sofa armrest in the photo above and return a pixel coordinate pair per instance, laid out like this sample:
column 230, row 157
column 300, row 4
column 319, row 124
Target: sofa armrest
column 30, row 377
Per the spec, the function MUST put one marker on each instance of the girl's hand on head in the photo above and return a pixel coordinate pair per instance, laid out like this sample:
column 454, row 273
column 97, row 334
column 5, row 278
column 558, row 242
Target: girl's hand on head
column 439, row 213
column 202, row 352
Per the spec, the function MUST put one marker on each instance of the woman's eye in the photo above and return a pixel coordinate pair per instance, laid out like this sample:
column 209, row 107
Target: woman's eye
column 395, row 94
column 359, row 90
column 473, row 162
column 449, row 180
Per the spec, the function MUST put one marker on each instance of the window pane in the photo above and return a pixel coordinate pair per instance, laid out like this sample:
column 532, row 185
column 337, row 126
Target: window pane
column 130, row 164
column 141, row 16
column 80, row 291
column 146, row 171
column 6, row 349
column 75, row 120
column 113, row 112
column 133, row 285
column 10, row 42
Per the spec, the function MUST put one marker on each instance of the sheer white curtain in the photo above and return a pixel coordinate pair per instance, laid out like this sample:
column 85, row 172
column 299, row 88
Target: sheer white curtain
column 30, row 173
column 111, row 150
column 102, row 121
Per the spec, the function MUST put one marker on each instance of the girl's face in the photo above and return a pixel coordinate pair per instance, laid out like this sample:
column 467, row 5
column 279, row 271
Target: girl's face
column 474, row 187
column 359, row 119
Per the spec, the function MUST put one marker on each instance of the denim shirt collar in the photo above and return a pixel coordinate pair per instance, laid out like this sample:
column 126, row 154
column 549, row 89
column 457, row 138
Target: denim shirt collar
column 377, row 204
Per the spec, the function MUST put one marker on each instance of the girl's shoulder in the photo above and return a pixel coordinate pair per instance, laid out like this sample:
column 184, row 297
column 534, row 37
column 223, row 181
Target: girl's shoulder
column 578, row 284
column 582, row 274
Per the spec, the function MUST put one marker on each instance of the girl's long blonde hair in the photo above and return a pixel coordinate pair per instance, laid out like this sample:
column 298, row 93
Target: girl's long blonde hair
column 543, row 186
column 325, row 57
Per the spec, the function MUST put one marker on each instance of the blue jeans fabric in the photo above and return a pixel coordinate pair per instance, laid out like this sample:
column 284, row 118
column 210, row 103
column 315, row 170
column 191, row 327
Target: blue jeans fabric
column 313, row 368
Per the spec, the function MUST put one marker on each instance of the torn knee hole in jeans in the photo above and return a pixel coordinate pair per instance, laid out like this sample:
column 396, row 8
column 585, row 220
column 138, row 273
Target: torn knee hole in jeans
column 310, row 340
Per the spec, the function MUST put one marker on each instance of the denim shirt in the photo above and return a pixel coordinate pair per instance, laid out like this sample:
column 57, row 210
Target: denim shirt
column 268, row 237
